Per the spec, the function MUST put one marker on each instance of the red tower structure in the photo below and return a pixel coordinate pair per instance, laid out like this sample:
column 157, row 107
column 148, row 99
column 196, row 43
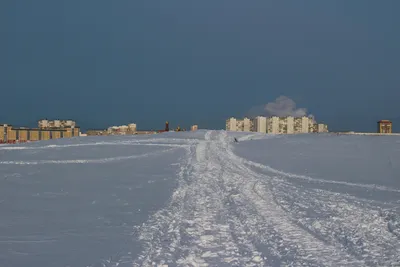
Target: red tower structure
column 166, row 126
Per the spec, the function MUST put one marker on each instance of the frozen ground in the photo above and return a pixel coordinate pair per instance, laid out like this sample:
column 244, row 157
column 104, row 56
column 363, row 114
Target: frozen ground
column 198, row 199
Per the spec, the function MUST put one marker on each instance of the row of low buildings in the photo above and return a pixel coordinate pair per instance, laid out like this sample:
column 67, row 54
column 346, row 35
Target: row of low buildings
column 276, row 125
column 132, row 129
column 46, row 130
column 10, row 134
column 129, row 129
column 54, row 129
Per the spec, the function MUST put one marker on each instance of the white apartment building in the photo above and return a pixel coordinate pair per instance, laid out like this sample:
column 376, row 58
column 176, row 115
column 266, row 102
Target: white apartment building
column 231, row 124
column 322, row 128
column 276, row 125
column 312, row 127
column 260, row 124
column 56, row 123
column 286, row 125
column 43, row 124
column 273, row 125
column 123, row 129
column 236, row 125
column 69, row 123
column 247, row 125
column 132, row 127
column 301, row 124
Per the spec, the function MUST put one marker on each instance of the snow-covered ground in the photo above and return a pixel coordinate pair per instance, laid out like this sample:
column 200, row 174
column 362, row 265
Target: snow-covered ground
column 198, row 199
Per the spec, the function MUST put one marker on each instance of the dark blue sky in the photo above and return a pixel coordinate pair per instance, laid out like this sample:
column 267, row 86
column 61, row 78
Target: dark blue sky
column 114, row 62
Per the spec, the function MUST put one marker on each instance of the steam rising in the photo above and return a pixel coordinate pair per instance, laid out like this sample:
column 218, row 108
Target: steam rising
column 282, row 106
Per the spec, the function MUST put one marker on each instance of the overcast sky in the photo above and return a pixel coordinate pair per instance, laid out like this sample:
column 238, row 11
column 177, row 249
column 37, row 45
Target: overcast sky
column 114, row 62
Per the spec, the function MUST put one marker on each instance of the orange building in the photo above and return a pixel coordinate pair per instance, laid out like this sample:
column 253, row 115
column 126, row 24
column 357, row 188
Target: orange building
column 45, row 135
column 55, row 134
column 34, row 135
column 11, row 135
column 384, row 126
column 67, row 133
column 76, row 131
column 1, row 133
column 22, row 135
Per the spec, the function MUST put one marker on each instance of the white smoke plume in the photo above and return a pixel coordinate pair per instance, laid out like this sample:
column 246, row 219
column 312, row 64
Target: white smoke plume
column 284, row 106
column 281, row 107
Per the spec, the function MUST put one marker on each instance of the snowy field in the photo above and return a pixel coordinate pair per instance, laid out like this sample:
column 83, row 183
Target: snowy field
column 198, row 199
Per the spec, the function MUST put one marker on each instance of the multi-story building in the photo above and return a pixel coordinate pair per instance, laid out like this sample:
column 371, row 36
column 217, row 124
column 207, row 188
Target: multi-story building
column 231, row 124
column 47, row 124
column 384, row 126
column 194, row 128
column 322, row 128
column 301, row 124
column 236, row 125
column 260, row 124
column 132, row 127
column 273, row 125
column 43, row 124
column 247, row 125
column 239, row 125
column 312, row 127
column 123, row 129
column 286, row 125
column 276, row 125
column 10, row 134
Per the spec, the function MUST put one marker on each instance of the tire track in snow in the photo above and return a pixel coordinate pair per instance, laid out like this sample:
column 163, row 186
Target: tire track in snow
column 85, row 161
column 123, row 143
column 193, row 230
column 359, row 227
column 364, row 228
column 218, row 216
column 285, row 240
column 315, row 180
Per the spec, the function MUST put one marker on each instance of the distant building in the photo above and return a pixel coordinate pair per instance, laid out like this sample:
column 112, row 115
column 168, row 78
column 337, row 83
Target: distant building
column 286, row 125
column 276, row 125
column 194, row 128
column 10, row 134
column 49, row 124
column 384, row 126
column 43, row 124
column 260, row 124
column 273, row 125
column 122, row 129
column 322, row 128
column 247, row 125
column 301, row 124
column 132, row 127
column 312, row 127
column 233, row 124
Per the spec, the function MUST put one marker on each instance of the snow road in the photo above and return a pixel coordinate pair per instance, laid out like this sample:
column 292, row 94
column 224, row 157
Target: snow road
column 226, row 210
column 224, row 213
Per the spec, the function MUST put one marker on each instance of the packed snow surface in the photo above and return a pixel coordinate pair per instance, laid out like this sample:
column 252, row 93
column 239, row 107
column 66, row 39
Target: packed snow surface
column 200, row 199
